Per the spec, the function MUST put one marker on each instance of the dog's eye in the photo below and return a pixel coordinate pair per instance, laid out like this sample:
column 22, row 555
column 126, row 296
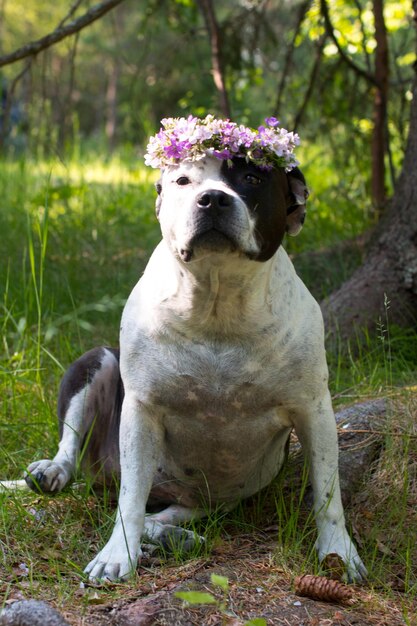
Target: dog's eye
column 252, row 179
column 183, row 180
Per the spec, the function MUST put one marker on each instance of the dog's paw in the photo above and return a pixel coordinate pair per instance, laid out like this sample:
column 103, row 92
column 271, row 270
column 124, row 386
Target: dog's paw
column 113, row 564
column 355, row 570
column 47, row 476
column 172, row 538
column 175, row 538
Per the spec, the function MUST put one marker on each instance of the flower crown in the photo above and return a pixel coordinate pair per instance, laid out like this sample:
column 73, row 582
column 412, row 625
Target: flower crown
column 192, row 138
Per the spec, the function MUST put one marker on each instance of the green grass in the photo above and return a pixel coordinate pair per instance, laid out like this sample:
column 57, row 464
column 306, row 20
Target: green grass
column 75, row 239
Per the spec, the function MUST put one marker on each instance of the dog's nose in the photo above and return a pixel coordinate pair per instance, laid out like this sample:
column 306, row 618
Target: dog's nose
column 214, row 199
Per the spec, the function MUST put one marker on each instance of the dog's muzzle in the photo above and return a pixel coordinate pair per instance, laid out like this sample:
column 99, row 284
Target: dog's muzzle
column 212, row 223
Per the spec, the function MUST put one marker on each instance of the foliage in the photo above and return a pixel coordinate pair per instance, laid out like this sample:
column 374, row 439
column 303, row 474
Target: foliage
column 220, row 583
column 144, row 61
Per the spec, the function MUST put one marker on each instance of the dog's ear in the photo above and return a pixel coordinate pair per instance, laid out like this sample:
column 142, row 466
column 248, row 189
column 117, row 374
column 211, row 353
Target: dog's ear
column 158, row 188
column 296, row 211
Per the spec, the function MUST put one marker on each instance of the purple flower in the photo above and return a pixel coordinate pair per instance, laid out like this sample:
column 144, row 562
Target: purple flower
column 222, row 154
column 271, row 121
column 246, row 137
column 176, row 149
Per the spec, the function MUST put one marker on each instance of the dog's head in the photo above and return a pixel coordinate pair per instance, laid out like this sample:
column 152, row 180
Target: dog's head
column 209, row 206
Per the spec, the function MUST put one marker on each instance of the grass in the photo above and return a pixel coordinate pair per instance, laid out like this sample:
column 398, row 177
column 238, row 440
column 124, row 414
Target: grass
column 76, row 237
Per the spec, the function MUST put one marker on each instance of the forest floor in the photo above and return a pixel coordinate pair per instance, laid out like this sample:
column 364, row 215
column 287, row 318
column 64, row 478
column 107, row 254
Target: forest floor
column 258, row 587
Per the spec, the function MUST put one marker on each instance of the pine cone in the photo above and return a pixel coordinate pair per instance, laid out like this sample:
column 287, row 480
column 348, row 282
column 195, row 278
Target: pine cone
column 321, row 588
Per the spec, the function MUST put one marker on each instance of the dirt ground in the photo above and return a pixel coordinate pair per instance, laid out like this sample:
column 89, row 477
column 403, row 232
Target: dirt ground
column 258, row 587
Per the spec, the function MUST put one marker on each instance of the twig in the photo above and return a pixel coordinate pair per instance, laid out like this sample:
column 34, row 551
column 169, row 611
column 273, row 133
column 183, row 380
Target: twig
column 70, row 13
column 376, row 432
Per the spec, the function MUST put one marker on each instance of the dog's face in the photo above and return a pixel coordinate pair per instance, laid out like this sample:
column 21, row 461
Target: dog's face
column 208, row 206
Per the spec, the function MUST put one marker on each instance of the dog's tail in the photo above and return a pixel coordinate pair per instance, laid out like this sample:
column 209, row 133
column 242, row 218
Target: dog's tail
column 13, row 485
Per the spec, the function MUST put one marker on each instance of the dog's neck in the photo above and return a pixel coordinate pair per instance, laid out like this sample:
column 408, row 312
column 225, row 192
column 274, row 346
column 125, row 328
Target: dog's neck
column 222, row 294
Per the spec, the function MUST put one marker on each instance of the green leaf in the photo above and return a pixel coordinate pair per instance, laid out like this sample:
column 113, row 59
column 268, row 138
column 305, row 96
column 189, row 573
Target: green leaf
column 220, row 581
column 196, row 597
column 256, row 621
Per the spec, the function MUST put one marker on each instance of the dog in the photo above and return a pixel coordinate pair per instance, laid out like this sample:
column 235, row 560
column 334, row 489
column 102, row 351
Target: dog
column 221, row 357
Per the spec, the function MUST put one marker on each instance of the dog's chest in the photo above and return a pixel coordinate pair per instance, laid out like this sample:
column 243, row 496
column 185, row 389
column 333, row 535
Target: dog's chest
column 198, row 380
column 220, row 413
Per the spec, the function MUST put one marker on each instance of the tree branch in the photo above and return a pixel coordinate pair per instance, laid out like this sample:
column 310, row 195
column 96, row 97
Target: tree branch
column 363, row 31
column 346, row 58
column 312, row 82
column 302, row 11
column 60, row 33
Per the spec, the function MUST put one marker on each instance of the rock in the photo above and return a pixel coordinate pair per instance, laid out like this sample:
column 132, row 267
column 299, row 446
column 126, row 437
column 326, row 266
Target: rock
column 31, row 613
column 360, row 441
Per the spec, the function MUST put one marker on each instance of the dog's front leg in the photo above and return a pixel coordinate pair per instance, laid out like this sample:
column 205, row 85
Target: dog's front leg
column 317, row 432
column 140, row 447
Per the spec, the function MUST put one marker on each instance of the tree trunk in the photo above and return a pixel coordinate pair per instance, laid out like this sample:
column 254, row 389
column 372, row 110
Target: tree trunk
column 217, row 64
column 111, row 104
column 379, row 142
column 388, row 276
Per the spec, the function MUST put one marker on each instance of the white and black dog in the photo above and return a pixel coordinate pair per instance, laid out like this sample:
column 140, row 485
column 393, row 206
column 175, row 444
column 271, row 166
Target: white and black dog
column 221, row 356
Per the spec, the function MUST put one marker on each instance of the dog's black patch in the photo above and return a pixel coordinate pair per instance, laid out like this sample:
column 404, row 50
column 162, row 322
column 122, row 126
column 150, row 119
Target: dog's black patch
column 266, row 194
column 77, row 376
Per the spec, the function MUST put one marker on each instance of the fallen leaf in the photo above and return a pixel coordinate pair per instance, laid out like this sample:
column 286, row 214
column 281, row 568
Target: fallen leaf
column 95, row 598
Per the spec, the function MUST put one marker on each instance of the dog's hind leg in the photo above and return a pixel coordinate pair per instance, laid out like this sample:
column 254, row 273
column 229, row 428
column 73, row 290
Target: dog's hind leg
column 90, row 392
column 162, row 528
